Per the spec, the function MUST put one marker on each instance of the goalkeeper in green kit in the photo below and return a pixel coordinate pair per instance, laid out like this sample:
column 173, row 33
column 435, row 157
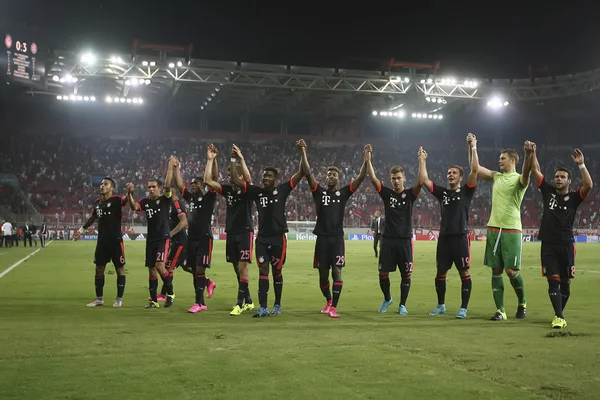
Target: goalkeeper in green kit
column 504, row 231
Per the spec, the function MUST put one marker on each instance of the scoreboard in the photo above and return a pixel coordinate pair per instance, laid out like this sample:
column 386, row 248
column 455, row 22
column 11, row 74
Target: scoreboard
column 22, row 60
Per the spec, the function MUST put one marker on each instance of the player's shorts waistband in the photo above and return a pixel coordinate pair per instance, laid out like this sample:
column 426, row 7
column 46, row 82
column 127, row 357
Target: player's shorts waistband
column 504, row 230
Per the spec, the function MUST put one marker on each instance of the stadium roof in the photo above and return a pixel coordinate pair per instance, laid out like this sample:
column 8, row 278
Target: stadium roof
column 284, row 90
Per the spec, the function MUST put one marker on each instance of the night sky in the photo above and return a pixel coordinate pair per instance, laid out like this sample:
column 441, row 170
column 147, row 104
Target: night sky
column 481, row 39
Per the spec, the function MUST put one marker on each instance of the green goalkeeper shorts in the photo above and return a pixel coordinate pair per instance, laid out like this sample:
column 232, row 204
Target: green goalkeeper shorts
column 503, row 248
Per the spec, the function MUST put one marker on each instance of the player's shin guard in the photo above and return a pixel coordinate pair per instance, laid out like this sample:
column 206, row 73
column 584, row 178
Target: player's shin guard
column 152, row 287
column 404, row 289
column 278, row 287
column 440, row 289
column 384, row 284
column 519, row 286
column 200, row 285
column 565, row 292
column 325, row 290
column 498, row 291
column 337, row 291
column 263, row 290
column 121, row 279
column 555, row 296
column 99, row 284
column 242, row 289
column 466, row 286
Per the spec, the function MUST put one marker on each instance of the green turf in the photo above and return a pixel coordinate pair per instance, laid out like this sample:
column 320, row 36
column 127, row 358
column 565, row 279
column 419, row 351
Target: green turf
column 53, row 347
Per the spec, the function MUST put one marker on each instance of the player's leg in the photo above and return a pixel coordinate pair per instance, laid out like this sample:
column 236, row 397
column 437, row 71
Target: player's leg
column 567, row 273
column 206, row 261
column 239, row 253
column 278, row 254
column 462, row 260
column 512, row 245
column 203, row 256
column 443, row 256
column 159, row 269
column 385, row 255
column 404, row 260
column 337, row 247
column 118, row 260
column 101, row 258
column 493, row 259
column 262, row 260
column 321, row 263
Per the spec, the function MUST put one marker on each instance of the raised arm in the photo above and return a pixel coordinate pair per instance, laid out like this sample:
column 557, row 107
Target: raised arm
column 536, row 171
column 526, row 173
column 370, row 170
column 209, row 175
column 177, row 176
column 297, row 177
column 312, row 182
column 169, row 178
column 474, row 167
column 363, row 172
column 245, row 170
column 587, row 186
column 423, row 176
column 132, row 203
column 236, row 154
column 482, row 172
column 421, row 155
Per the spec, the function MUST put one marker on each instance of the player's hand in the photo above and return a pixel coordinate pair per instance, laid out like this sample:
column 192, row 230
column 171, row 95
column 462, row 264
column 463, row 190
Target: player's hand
column 577, row 157
column 236, row 152
column 422, row 154
column 471, row 140
column 369, row 148
column 211, row 152
column 528, row 147
column 367, row 154
column 76, row 236
column 130, row 188
column 301, row 144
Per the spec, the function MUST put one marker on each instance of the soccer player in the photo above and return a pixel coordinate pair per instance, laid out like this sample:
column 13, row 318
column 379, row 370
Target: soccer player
column 330, row 248
column 201, row 200
column 107, row 210
column 238, row 226
column 453, row 246
column 556, row 230
column 504, row 235
column 176, row 257
column 271, row 241
column 156, row 207
column 396, row 243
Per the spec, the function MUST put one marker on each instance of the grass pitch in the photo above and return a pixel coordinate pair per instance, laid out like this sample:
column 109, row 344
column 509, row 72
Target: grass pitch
column 53, row 347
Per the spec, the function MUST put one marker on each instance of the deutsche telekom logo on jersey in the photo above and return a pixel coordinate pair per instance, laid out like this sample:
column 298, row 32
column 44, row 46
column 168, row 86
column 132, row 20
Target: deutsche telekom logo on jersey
column 264, row 201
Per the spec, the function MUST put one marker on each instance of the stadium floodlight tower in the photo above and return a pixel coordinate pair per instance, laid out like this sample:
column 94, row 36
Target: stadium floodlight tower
column 496, row 102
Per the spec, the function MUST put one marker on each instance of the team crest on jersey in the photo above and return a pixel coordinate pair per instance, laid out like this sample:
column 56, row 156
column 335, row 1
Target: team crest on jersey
column 239, row 192
column 458, row 190
column 403, row 195
column 337, row 193
column 261, row 259
column 109, row 204
column 275, row 191
column 158, row 201
column 567, row 198
column 199, row 198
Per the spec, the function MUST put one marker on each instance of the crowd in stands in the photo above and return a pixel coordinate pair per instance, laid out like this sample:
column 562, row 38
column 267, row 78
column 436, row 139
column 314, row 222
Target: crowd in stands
column 54, row 171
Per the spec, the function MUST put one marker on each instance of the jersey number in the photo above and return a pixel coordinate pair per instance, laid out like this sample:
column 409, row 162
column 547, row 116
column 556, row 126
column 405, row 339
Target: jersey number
column 244, row 255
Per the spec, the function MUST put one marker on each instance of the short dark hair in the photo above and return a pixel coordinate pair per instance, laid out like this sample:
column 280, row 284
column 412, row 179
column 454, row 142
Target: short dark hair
column 512, row 154
column 336, row 169
column 106, row 178
column 396, row 169
column 568, row 171
column 273, row 170
column 198, row 179
column 460, row 169
column 158, row 181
